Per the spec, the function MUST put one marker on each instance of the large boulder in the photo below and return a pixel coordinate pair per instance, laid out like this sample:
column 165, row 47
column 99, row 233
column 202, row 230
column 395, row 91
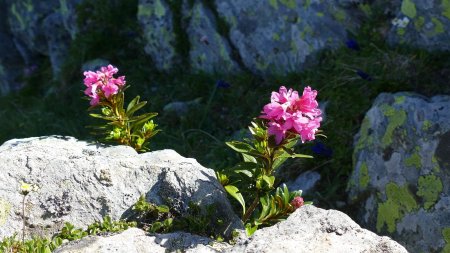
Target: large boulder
column 265, row 37
column 309, row 229
column 423, row 24
column 401, row 177
column 82, row 182
column 42, row 28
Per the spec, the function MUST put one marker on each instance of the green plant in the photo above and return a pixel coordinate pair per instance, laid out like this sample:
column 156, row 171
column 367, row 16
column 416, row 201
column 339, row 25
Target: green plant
column 107, row 93
column 286, row 120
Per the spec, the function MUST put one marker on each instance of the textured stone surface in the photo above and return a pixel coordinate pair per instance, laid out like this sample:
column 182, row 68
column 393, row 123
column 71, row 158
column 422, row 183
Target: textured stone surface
column 425, row 24
column 81, row 182
column 135, row 240
column 278, row 36
column 42, row 28
column 266, row 37
column 210, row 51
column 156, row 20
column 401, row 180
column 309, row 229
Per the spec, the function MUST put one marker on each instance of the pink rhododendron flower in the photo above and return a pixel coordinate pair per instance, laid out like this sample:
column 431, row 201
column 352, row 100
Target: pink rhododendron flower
column 102, row 84
column 287, row 112
column 297, row 202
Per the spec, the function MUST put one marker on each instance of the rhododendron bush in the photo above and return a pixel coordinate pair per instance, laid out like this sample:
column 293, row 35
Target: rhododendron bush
column 107, row 94
column 288, row 119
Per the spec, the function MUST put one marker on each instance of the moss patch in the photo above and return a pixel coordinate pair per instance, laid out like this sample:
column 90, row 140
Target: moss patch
column 291, row 4
column 430, row 187
column 446, row 8
column 446, row 236
column 274, row 4
column 438, row 26
column 400, row 99
column 415, row 160
column 426, row 125
column 409, row 8
column 396, row 118
column 5, row 207
column 399, row 202
column 364, row 176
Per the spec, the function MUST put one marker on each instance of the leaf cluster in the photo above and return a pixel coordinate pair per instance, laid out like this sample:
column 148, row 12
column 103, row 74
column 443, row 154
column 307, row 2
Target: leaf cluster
column 124, row 127
column 253, row 178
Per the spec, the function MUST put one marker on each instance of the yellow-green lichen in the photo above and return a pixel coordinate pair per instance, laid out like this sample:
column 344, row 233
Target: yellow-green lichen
column 291, row 4
column 274, row 4
column 446, row 8
column 396, row 118
column 17, row 16
column 276, row 37
column 339, row 15
column 426, row 125
column 366, row 9
column 63, row 8
column 320, row 14
column 429, row 187
column 438, row 26
column 415, row 160
column 159, row 9
column 399, row 202
column 400, row 99
column 419, row 22
column 446, row 236
column 364, row 138
column 363, row 176
column 144, row 10
column 5, row 207
column 436, row 167
column 409, row 8
column 401, row 31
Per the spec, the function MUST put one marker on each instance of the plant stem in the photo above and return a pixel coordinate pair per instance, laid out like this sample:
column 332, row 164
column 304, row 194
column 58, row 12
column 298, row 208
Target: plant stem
column 23, row 218
column 250, row 209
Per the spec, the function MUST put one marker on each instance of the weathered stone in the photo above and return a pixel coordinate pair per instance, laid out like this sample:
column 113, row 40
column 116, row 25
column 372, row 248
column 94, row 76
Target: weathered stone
column 156, row 20
column 135, row 240
column 11, row 65
column 278, row 37
column 42, row 28
column 81, row 182
column 209, row 52
column 401, row 180
column 309, row 229
column 423, row 24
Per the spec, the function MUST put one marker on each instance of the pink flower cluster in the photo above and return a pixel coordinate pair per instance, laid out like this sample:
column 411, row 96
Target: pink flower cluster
column 297, row 202
column 290, row 112
column 102, row 83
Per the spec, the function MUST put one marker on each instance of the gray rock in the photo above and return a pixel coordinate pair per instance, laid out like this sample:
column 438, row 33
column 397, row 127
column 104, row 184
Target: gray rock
column 155, row 18
column 11, row 64
column 81, row 182
column 401, row 180
column 266, row 37
column 278, row 37
column 42, row 28
column 423, row 24
column 136, row 240
column 304, row 182
column 309, row 229
column 210, row 52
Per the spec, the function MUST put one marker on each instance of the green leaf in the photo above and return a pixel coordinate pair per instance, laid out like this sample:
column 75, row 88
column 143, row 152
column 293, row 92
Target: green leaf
column 234, row 192
column 248, row 158
column 100, row 116
column 270, row 180
column 162, row 209
column 132, row 103
column 294, row 156
column 135, row 108
column 286, row 194
column 249, row 229
column 240, row 147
